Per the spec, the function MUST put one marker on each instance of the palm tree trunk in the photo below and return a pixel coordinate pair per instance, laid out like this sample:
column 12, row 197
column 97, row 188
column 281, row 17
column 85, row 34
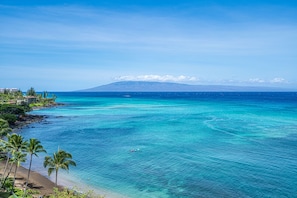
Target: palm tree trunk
column 15, row 171
column 7, row 175
column 6, row 165
column 57, row 177
column 28, row 175
column 29, row 170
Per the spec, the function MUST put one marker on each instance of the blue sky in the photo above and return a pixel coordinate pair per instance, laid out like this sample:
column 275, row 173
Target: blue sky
column 71, row 45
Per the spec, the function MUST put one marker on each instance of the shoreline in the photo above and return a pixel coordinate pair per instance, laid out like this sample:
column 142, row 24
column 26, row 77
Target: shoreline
column 36, row 181
column 41, row 182
column 27, row 119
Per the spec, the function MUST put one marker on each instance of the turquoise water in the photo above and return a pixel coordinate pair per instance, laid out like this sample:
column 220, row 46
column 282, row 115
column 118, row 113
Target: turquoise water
column 186, row 144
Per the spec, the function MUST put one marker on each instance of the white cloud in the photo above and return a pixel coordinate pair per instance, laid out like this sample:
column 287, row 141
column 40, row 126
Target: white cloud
column 256, row 80
column 278, row 80
column 272, row 81
column 163, row 78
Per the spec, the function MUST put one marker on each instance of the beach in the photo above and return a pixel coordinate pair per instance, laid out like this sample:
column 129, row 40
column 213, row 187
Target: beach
column 36, row 181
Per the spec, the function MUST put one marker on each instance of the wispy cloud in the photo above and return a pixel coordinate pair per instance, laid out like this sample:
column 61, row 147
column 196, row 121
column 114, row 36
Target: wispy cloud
column 256, row 80
column 81, row 27
column 277, row 80
column 164, row 78
column 227, row 44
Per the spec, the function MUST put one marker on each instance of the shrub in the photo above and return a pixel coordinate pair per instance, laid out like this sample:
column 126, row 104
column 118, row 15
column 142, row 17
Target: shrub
column 12, row 109
column 8, row 184
column 68, row 193
column 10, row 118
column 29, row 193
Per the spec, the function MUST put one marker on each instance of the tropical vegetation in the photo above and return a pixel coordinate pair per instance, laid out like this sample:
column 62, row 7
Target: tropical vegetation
column 72, row 193
column 15, row 150
column 14, row 104
column 28, row 100
column 4, row 128
column 33, row 148
column 60, row 160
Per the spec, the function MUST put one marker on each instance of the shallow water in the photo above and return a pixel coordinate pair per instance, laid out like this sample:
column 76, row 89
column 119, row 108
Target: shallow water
column 176, row 144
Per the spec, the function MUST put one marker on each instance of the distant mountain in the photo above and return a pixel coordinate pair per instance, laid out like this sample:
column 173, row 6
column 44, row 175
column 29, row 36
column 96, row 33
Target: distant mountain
column 144, row 86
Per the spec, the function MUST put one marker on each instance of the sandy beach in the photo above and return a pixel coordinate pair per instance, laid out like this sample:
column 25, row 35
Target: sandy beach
column 45, row 186
column 36, row 182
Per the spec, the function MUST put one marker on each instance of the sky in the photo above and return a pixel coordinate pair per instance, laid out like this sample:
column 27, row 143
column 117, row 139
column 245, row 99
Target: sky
column 76, row 44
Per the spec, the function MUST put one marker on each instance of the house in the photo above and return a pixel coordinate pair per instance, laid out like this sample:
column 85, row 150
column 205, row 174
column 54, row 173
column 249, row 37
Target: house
column 30, row 99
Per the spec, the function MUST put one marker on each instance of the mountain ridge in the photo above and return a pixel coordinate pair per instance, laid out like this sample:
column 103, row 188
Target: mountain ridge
column 150, row 86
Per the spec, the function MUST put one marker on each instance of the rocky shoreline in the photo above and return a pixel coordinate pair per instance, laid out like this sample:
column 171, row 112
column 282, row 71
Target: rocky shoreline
column 28, row 119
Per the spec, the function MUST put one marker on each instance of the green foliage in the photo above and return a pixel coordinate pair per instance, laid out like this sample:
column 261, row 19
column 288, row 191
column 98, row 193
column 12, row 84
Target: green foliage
column 11, row 112
column 17, row 149
column 10, row 118
column 61, row 159
column 16, row 143
column 33, row 148
column 13, row 109
column 7, row 95
column 8, row 184
column 29, row 193
column 70, row 193
column 4, row 194
column 42, row 102
column 25, row 107
column 4, row 127
column 32, row 192
column 37, row 104
column 31, row 92
column 6, row 91
column 18, row 192
column 45, row 94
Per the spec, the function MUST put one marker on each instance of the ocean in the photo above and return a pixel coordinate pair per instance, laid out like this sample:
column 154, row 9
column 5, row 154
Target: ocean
column 174, row 145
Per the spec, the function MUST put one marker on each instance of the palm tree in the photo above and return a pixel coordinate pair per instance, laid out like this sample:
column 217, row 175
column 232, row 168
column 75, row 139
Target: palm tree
column 17, row 158
column 61, row 159
column 4, row 128
column 5, row 148
column 14, row 144
column 33, row 148
column 31, row 92
column 45, row 94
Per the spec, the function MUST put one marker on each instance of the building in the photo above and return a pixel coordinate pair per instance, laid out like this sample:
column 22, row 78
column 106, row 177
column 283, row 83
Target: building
column 12, row 90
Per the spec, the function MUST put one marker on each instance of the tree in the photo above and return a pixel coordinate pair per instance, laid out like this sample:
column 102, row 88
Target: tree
column 33, row 148
column 15, row 144
column 4, row 128
column 45, row 94
column 31, row 92
column 61, row 159
column 16, row 159
column 18, row 94
column 6, row 149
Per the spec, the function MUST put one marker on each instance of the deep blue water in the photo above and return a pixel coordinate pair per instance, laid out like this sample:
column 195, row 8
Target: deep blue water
column 186, row 144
